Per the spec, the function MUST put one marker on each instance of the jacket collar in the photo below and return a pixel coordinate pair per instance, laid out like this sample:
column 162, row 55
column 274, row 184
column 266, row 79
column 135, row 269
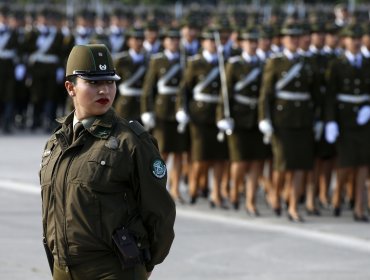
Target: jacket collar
column 98, row 126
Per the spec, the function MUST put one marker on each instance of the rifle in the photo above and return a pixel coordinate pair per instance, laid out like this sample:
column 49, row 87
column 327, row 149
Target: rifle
column 224, row 91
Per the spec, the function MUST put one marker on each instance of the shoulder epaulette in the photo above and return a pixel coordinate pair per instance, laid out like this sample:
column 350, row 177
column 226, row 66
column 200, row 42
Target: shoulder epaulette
column 157, row 56
column 234, row 59
column 195, row 57
column 120, row 55
column 136, row 127
column 277, row 55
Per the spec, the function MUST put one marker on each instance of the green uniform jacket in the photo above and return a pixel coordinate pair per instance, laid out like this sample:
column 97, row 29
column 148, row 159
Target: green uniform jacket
column 289, row 113
column 243, row 80
column 343, row 78
column 198, row 72
column 127, row 104
column 161, row 86
column 106, row 179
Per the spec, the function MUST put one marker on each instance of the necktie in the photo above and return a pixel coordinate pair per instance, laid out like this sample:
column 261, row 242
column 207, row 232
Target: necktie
column 78, row 128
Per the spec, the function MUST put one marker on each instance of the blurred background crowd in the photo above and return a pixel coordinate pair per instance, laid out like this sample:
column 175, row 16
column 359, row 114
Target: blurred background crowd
column 36, row 38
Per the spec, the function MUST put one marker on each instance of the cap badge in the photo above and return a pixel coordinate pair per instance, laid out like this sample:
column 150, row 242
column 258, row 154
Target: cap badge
column 102, row 67
column 100, row 54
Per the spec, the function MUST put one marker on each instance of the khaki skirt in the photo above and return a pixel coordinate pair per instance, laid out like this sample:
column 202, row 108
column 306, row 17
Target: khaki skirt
column 204, row 143
column 169, row 140
column 353, row 146
column 247, row 145
column 293, row 149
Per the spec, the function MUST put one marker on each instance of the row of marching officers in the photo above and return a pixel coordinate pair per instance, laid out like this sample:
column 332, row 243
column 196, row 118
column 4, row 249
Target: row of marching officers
column 299, row 112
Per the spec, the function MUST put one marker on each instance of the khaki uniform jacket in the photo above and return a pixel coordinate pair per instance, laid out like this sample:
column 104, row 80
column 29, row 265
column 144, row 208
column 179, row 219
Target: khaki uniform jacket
column 56, row 48
column 104, row 180
column 288, row 113
column 161, row 86
column 132, row 74
column 343, row 78
column 204, row 78
column 243, row 83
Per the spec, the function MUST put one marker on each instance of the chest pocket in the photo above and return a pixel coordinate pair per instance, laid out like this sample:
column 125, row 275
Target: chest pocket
column 105, row 171
column 48, row 161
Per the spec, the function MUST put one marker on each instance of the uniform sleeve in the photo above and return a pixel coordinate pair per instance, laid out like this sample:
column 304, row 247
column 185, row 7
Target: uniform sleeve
column 185, row 89
column 156, row 206
column 267, row 91
column 330, row 100
column 149, row 88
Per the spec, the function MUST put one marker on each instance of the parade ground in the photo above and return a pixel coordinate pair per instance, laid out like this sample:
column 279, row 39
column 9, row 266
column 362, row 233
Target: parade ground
column 209, row 243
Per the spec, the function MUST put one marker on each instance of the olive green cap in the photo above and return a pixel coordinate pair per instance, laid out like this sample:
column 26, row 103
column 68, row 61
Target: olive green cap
column 208, row 33
column 136, row 32
column 291, row 29
column 353, row 31
column 171, row 32
column 249, row 33
column 266, row 31
column 91, row 62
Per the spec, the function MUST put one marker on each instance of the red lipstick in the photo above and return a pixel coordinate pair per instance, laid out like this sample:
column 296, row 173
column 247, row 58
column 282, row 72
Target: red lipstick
column 103, row 101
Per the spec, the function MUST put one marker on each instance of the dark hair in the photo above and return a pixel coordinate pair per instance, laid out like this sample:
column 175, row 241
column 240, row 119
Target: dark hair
column 71, row 79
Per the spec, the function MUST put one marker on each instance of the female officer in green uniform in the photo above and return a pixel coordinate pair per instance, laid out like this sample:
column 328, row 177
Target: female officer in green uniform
column 102, row 177
column 246, row 148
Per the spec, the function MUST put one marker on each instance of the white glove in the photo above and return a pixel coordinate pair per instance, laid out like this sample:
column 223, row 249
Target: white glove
column 59, row 75
column 20, row 72
column 318, row 130
column 363, row 115
column 331, row 132
column 182, row 117
column 148, row 120
column 266, row 128
column 226, row 124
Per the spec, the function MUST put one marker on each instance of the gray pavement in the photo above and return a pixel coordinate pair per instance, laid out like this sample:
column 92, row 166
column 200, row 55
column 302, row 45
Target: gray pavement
column 209, row 244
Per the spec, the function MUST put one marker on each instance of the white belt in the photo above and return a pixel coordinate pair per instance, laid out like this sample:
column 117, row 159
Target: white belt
column 205, row 97
column 293, row 95
column 245, row 100
column 7, row 54
column 356, row 99
column 44, row 58
column 127, row 91
column 167, row 90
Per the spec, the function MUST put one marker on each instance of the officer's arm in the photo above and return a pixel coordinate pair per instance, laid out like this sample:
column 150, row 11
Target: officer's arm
column 332, row 83
column 185, row 88
column 267, row 91
column 156, row 206
column 149, row 89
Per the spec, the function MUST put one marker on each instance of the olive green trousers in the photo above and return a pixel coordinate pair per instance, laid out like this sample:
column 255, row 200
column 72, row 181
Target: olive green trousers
column 101, row 269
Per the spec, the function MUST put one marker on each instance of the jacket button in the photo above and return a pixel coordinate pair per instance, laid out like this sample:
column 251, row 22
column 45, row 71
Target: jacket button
column 355, row 109
column 297, row 84
column 102, row 162
column 123, row 237
column 297, row 103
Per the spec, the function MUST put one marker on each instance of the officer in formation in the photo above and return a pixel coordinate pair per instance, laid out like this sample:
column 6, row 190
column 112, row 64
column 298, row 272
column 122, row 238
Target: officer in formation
column 131, row 65
column 158, row 104
column 198, row 100
column 347, row 116
column 293, row 89
column 247, row 151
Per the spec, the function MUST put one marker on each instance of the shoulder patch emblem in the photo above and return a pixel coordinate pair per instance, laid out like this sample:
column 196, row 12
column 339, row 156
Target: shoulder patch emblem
column 158, row 168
